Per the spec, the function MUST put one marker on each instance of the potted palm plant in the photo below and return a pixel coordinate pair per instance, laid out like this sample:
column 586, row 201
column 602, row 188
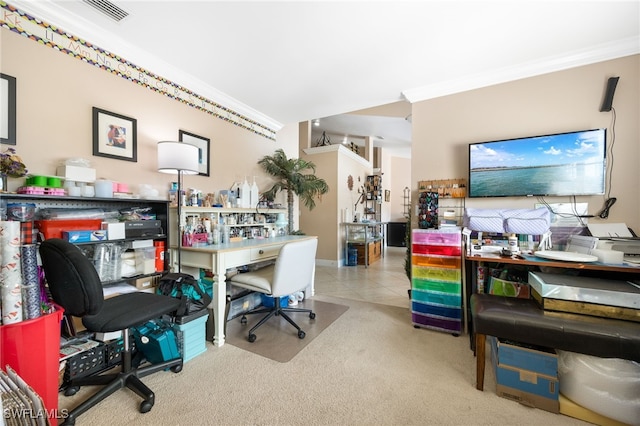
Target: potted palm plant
column 295, row 176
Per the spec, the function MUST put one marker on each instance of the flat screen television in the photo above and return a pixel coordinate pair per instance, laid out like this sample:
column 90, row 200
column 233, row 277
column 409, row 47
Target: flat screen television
column 572, row 163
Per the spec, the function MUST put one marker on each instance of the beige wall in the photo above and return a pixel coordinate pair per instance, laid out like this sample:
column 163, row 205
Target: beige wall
column 55, row 94
column 334, row 164
column 398, row 179
column 557, row 102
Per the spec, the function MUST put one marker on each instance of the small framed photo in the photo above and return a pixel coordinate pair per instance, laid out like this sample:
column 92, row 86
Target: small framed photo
column 387, row 195
column 203, row 149
column 114, row 135
column 7, row 109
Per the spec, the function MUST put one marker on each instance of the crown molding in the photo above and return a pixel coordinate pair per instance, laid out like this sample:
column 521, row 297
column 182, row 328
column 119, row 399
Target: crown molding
column 599, row 53
column 47, row 11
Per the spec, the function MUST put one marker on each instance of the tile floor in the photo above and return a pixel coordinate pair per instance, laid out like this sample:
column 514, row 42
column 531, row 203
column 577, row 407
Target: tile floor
column 384, row 281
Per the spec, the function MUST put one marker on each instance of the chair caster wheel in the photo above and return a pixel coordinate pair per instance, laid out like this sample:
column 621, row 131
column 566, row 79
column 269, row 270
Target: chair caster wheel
column 176, row 368
column 71, row 390
column 145, row 406
column 243, row 320
column 301, row 334
column 312, row 315
column 252, row 338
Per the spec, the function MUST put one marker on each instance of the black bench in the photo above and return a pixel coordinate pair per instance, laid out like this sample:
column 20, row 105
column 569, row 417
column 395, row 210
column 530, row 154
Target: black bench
column 522, row 320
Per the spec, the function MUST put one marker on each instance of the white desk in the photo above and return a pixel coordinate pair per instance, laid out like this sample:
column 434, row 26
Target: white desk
column 218, row 258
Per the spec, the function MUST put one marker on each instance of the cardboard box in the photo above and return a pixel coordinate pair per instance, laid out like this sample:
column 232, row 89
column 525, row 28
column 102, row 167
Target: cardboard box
column 525, row 386
column 527, row 357
column 84, row 236
column 571, row 409
column 138, row 244
column 77, row 174
column 115, row 231
column 145, row 282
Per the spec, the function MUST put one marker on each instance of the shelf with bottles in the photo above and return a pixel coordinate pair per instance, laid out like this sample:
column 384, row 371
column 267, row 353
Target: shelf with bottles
column 216, row 225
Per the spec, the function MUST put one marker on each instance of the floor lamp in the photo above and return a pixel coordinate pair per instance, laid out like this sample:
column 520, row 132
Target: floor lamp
column 182, row 159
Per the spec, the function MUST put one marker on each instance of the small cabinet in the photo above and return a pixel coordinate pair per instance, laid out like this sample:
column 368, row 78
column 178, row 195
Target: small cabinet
column 367, row 239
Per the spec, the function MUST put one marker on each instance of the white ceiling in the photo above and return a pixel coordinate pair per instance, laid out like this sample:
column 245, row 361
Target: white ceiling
column 282, row 62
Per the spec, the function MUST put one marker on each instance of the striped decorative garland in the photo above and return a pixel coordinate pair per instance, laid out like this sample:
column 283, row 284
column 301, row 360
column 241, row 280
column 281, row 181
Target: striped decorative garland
column 46, row 34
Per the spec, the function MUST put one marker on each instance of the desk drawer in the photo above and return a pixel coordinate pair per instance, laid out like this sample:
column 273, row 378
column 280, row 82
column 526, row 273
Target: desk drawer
column 265, row 253
column 197, row 259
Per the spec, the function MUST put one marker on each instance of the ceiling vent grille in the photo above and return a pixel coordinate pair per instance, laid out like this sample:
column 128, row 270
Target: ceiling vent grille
column 111, row 10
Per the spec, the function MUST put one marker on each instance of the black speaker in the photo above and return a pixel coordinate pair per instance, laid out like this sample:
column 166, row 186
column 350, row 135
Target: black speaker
column 608, row 95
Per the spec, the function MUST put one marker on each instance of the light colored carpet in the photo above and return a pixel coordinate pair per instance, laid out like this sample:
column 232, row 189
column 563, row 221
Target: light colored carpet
column 369, row 367
column 277, row 339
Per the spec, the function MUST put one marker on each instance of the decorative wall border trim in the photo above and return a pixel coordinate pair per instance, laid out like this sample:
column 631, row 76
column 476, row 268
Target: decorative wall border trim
column 49, row 35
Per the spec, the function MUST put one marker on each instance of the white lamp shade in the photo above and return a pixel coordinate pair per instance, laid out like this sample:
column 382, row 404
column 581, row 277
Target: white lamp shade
column 174, row 157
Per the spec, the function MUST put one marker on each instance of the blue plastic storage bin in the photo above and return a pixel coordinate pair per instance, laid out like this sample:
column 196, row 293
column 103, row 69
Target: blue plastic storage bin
column 269, row 301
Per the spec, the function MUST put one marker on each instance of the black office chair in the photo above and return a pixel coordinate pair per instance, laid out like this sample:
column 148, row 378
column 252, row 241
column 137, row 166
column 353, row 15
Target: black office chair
column 293, row 271
column 75, row 285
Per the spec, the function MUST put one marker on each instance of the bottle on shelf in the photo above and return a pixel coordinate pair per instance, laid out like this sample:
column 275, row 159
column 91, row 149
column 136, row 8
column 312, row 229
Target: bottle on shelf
column 255, row 194
column 245, row 194
column 234, row 195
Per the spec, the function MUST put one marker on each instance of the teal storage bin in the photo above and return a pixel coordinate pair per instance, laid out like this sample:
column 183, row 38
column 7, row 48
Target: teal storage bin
column 191, row 334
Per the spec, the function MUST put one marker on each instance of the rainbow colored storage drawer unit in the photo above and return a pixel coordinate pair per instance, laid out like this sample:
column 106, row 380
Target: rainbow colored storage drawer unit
column 436, row 279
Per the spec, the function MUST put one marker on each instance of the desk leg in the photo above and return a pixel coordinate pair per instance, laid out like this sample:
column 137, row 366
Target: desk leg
column 219, row 303
column 480, row 355
column 366, row 253
column 310, row 290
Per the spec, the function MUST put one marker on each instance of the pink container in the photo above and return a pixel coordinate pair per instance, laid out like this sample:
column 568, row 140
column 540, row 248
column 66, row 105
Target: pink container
column 423, row 236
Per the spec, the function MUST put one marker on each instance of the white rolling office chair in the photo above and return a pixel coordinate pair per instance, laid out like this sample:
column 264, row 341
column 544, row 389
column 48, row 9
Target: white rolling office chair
column 292, row 272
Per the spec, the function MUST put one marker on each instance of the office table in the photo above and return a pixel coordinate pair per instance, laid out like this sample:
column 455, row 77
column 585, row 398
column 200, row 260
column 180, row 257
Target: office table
column 218, row 258
column 595, row 269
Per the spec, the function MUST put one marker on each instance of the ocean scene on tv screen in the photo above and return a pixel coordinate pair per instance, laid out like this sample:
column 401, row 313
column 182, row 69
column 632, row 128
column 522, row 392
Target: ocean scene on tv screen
column 560, row 164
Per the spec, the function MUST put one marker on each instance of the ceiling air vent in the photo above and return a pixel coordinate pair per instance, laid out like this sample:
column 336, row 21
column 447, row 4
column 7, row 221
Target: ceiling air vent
column 111, row 10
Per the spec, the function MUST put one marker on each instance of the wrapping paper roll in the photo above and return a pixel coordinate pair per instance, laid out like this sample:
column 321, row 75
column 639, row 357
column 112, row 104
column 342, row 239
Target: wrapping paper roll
column 27, row 232
column 30, row 281
column 10, row 272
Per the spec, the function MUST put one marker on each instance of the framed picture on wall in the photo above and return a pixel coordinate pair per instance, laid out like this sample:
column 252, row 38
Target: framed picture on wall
column 7, row 109
column 203, row 149
column 114, row 135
